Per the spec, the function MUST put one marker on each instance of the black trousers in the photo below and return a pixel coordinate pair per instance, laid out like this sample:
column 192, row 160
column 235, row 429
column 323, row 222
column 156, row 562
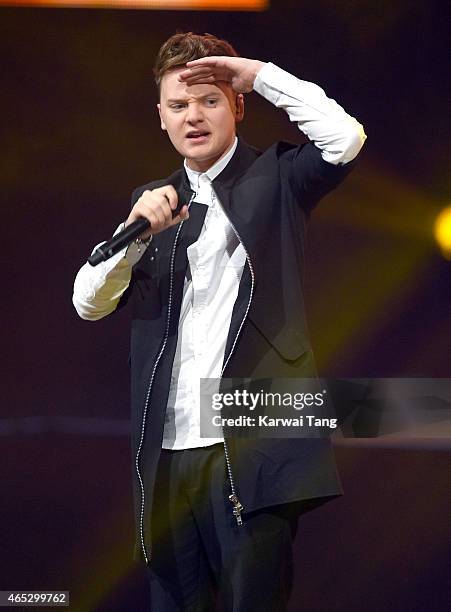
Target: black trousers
column 201, row 560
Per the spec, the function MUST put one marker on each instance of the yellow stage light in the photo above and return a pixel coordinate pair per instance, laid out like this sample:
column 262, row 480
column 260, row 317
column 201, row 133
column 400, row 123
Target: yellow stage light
column 442, row 231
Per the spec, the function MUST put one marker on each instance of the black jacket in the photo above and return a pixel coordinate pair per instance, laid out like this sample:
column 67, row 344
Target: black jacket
column 268, row 198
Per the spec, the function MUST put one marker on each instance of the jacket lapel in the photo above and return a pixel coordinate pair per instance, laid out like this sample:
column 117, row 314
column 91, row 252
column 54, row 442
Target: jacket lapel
column 223, row 184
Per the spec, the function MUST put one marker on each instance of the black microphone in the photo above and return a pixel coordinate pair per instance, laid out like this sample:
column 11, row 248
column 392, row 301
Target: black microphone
column 119, row 241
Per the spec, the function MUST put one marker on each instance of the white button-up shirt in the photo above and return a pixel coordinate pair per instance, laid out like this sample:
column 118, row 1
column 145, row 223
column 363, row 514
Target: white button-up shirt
column 215, row 265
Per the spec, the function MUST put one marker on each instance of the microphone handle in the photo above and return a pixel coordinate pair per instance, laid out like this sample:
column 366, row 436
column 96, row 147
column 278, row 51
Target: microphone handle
column 119, row 241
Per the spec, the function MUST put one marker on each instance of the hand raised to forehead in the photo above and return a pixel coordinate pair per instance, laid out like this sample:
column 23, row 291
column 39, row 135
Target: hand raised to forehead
column 238, row 71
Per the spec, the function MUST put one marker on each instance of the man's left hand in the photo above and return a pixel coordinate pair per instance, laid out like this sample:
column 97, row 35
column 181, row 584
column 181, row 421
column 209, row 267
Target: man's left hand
column 238, row 71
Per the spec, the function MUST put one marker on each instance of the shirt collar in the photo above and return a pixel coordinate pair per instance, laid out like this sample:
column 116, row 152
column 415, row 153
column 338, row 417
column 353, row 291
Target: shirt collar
column 212, row 172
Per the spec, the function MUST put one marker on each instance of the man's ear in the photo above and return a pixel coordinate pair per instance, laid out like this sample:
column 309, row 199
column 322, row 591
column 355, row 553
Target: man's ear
column 239, row 108
column 163, row 126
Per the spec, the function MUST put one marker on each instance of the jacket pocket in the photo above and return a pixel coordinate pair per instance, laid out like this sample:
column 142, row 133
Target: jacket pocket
column 289, row 342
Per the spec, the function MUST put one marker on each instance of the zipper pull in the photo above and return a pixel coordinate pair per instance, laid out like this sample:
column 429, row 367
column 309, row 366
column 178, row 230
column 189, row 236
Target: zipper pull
column 237, row 508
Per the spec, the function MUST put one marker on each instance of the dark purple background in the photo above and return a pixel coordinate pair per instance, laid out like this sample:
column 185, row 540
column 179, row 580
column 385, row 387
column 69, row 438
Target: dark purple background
column 80, row 131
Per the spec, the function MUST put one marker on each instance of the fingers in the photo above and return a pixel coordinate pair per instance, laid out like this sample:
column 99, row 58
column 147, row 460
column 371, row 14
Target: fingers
column 182, row 216
column 157, row 207
column 210, row 61
column 201, row 79
column 168, row 193
column 198, row 75
column 194, row 72
column 206, row 70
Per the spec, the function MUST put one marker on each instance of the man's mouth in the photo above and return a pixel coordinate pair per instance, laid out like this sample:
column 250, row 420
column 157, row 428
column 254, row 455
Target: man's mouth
column 197, row 134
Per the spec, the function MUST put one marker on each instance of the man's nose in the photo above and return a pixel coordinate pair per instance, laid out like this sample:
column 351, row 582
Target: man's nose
column 194, row 113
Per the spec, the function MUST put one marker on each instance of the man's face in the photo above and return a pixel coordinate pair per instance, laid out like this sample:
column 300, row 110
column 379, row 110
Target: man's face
column 199, row 119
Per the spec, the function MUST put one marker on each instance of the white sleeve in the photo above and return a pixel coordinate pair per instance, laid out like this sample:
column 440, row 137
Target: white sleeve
column 338, row 135
column 98, row 289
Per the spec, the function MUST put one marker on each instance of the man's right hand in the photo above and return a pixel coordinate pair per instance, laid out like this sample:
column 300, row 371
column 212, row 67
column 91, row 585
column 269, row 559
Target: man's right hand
column 157, row 206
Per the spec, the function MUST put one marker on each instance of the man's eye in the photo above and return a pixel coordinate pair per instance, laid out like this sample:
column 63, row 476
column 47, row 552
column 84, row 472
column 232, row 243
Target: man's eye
column 211, row 101
column 177, row 106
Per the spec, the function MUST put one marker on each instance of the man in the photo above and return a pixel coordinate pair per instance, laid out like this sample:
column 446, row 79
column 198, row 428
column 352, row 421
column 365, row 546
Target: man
column 216, row 288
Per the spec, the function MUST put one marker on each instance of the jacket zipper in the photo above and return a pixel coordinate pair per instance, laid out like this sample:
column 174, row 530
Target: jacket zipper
column 233, row 497
column 149, row 388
